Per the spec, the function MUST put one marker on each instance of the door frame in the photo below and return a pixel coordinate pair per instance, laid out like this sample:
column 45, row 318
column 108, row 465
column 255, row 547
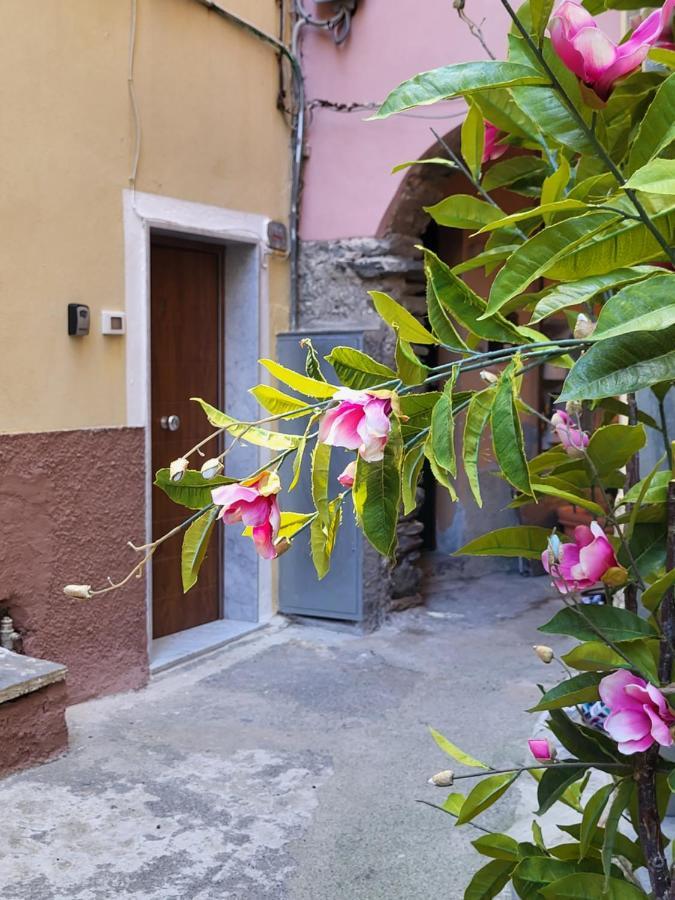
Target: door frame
column 247, row 583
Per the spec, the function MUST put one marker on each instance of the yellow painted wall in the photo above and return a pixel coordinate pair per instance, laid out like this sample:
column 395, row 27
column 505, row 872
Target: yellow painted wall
column 211, row 133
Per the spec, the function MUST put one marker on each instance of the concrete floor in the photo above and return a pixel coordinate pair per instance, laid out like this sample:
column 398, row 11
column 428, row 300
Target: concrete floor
column 287, row 765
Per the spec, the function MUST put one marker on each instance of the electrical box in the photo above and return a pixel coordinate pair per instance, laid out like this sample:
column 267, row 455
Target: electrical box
column 113, row 322
column 340, row 594
column 78, row 319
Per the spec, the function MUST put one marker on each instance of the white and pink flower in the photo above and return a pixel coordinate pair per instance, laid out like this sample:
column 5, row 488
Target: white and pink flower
column 360, row 422
column 593, row 57
column 581, row 564
column 572, row 438
column 492, row 148
column 639, row 714
column 542, row 750
column 346, row 477
column 255, row 504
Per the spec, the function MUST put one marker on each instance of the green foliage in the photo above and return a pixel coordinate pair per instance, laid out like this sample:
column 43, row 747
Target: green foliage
column 252, row 434
column 577, row 689
column 646, row 306
column 587, row 623
column 357, row 370
column 195, row 544
column 477, row 417
column 485, row 794
column 406, row 325
column 473, row 140
column 193, row 490
column 377, row 495
column 458, row 755
column 528, row 541
column 507, row 432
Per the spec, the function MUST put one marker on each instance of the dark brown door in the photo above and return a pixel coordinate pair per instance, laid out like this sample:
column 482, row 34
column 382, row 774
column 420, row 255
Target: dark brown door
column 186, row 359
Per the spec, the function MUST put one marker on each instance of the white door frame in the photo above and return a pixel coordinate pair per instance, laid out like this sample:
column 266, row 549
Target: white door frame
column 247, row 588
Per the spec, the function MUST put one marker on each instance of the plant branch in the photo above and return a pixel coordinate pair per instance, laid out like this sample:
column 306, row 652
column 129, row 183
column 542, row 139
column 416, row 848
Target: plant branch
column 632, row 478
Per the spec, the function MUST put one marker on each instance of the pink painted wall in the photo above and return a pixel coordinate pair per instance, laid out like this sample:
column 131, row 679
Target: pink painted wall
column 347, row 177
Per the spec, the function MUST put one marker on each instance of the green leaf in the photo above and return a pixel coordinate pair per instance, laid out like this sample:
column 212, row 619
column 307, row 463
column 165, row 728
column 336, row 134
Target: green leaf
column 499, row 107
column 662, row 56
column 401, row 319
column 195, row 545
column 292, row 522
column 410, row 369
column 252, row 434
column 297, row 462
column 417, row 408
column 579, row 689
column 477, row 417
column 553, row 784
column 464, row 211
column 656, row 492
column 571, row 796
column 619, row 804
column 443, row 430
column 312, row 363
column 577, row 499
column 311, row 387
column 473, row 140
column 484, row 794
column 646, row 306
column 497, row 846
column 488, row 881
column 522, row 173
column 540, row 13
column 540, row 253
column 622, row 364
column 619, row 408
column 648, row 548
column 588, row 623
column 377, row 494
column 545, row 210
column 593, row 809
column 652, row 597
column 278, row 403
column 542, row 869
column 323, row 534
column 465, row 305
column 440, row 320
column 357, row 370
column 596, row 656
column 193, row 490
column 435, row 160
column 453, row 751
column 412, row 467
column 623, row 846
column 611, row 446
column 449, row 81
column 528, row 541
column 582, row 885
column 587, row 744
column 507, row 433
column 320, row 475
column 657, row 177
column 554, row 187
column 657, row 129
column 584, row 290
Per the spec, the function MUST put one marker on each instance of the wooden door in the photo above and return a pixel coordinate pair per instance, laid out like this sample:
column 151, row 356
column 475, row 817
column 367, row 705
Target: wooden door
column 186, row 318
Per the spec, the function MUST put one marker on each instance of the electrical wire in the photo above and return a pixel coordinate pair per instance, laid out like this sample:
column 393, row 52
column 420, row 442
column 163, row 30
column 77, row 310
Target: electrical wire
column 132, row 95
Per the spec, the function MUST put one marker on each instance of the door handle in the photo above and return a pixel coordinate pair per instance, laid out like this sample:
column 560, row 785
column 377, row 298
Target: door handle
column 170, row 423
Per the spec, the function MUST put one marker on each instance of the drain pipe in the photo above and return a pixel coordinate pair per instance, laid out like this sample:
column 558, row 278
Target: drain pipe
column 297, row 142
column 8, row 636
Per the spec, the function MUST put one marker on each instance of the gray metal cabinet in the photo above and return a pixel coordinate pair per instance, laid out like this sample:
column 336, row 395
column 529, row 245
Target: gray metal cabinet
column 340, row 594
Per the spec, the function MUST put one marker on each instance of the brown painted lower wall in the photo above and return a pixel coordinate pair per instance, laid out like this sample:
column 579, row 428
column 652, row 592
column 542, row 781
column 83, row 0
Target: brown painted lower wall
column 70, row 501
column 33, row 728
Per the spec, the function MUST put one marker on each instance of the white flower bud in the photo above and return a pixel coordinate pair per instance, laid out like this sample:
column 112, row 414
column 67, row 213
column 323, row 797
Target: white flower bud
column 211, row 468
column 78, row 591
column 442, row 779
column 178, row 468
column 544, row 653
column 584, row 327
column 488, row 377
column 574, row 407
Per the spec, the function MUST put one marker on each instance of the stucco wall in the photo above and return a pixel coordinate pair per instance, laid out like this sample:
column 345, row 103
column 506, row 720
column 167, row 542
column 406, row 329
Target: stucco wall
column 348, row 180
column 70, row 501
column 211, row 133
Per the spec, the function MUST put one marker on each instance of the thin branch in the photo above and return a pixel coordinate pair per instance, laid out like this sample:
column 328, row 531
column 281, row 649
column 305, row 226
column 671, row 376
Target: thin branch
column 475, row 29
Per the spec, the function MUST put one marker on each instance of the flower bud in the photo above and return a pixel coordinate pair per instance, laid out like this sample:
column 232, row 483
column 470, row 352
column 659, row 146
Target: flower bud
column 269, row 484
column 542, row 750
column 584, row 327
column 178, row 468
column 211, row 468
column 442, row 779
column 78, row 591
column 544, row 653
column 488, row 377
column 616, row 576
column 574, row 407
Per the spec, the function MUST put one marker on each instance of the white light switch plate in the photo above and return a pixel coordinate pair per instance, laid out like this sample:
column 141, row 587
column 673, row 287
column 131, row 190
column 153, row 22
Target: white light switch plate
column 113, row 322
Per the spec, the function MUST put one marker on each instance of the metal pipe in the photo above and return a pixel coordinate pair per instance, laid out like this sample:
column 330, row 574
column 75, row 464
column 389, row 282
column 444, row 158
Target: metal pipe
column 297, row 141
column 8, row 636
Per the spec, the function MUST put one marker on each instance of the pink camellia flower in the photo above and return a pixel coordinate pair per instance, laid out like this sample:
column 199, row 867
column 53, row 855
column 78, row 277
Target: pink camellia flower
column 573, row 439
column 492, row 149
column 346, row 478
column 639, row 714
column 579, row 565
column 542, row 750
column 254, row 503
column 360, row 422
column 595, row 58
